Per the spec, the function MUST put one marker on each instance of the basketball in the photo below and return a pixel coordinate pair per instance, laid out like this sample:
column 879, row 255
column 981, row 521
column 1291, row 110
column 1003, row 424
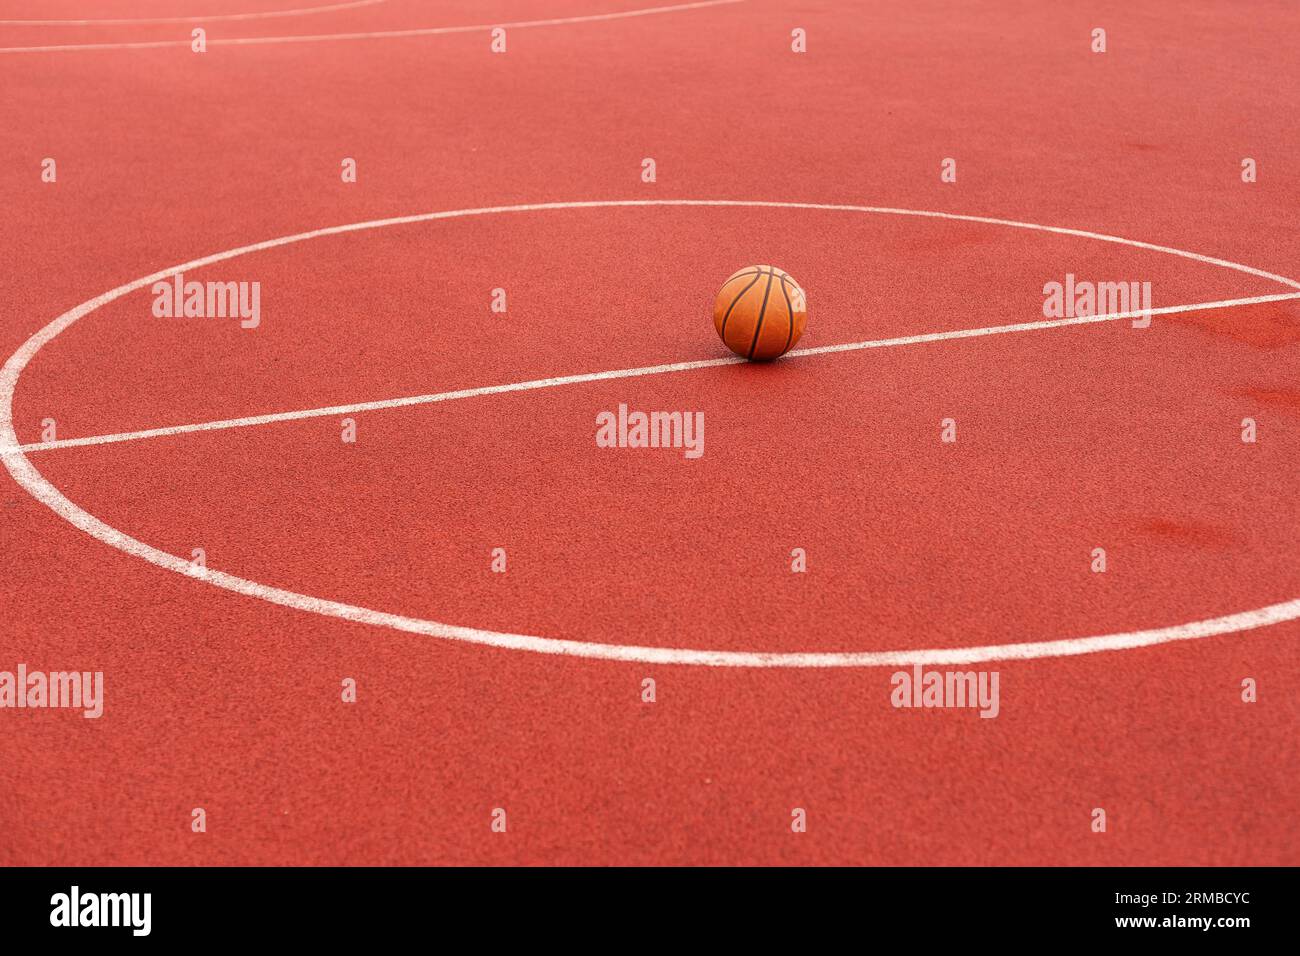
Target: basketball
column 760, row 313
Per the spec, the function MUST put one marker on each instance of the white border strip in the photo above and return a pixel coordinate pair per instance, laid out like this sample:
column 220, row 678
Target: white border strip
column 36, row 484
column 375, row 35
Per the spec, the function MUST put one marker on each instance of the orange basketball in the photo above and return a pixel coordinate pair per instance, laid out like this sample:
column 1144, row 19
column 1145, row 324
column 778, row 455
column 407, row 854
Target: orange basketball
column 760, row 312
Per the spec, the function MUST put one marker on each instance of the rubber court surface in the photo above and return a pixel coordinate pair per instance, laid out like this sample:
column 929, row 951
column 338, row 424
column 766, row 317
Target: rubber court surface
column 478, row 690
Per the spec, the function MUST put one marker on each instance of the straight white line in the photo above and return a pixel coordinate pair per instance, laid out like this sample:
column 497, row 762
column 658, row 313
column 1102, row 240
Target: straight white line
column 375, row 35
column 213, row 18
column 412, row 400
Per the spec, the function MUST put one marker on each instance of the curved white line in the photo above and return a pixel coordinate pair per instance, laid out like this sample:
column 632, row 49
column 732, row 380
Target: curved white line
column 264, row 15
column 408, row 401
column 26, row 474
column 374, row 35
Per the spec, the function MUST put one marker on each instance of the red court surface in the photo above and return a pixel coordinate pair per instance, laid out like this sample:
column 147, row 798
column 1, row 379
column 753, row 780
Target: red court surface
column 326, row 560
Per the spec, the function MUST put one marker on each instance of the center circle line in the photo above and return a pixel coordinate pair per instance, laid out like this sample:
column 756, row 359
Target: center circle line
column 26, row 475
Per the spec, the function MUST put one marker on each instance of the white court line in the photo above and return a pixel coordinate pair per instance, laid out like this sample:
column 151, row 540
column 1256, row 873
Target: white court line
column 264, row 15
column 25, row 473
column 374, row 35
column 412, row 400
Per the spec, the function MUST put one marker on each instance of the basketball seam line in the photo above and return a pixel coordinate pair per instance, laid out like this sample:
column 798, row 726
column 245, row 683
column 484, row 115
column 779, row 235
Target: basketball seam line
column 789, row 307
column 739, row 275
column 758, row 326
column 740, row 295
